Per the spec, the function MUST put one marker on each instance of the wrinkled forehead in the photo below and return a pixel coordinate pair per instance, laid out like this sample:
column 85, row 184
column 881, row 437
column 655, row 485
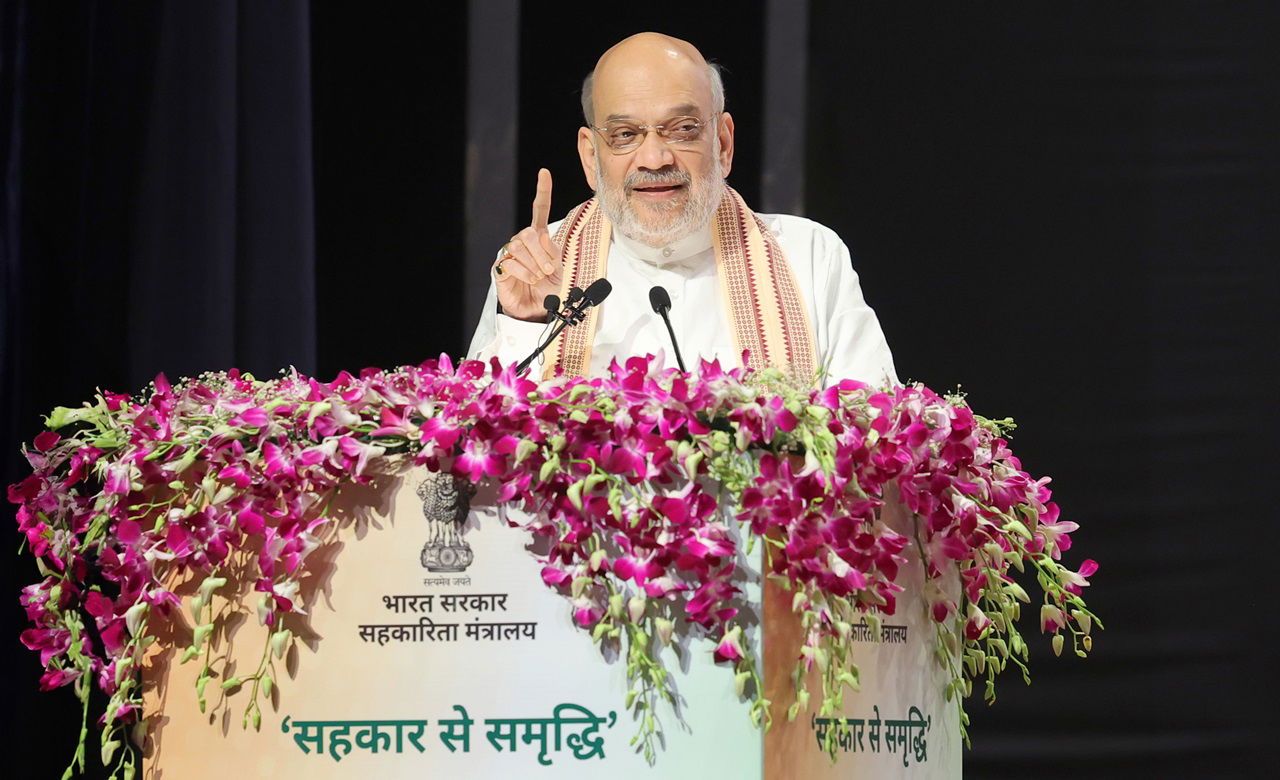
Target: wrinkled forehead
column 651, row 90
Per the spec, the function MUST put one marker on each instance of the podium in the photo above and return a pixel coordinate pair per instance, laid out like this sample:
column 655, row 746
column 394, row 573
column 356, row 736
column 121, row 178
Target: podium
column 431, row 647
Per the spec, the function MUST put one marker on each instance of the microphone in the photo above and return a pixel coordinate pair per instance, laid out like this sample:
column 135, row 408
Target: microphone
column 597, row 291
column 552, row 304
column 575, row 311
column 661, row 303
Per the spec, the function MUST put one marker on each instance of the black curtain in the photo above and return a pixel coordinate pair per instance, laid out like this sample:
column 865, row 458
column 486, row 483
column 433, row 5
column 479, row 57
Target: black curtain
column 1071, row 212
column 158, row 216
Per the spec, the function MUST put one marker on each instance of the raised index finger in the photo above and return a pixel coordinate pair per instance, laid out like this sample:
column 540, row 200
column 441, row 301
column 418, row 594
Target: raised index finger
column 542, row 200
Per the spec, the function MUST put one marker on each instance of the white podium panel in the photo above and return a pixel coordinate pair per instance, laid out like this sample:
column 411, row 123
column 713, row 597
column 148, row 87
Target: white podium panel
column 898, row 724
column 435, row 650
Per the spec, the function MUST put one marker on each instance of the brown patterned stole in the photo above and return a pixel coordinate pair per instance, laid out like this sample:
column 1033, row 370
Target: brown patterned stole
column 765, row 309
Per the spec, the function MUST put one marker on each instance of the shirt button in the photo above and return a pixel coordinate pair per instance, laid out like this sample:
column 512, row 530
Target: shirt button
column 666, row 252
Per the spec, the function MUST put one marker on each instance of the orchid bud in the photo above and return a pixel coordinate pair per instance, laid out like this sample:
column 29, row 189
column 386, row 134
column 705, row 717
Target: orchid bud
column 201, row 633
column 549, row 468
column 597, row 560
column 524, row 449
column 230, row 682
column 280, row 642
column 664, row 629
column 799, row 601
column 740, row 682
column 1058, row 640
column 267, row 684
column 615, row 502
column 1015, row 590
column 1087, row 641
column 635, row 608
column 850, row 679
column 211, row 584
column 138, row 732
column 802, row 699
column 820, row 657
column 615, row 605
column 317, row 410
column 184, row 463
column 1083, row 619
column 134, row 615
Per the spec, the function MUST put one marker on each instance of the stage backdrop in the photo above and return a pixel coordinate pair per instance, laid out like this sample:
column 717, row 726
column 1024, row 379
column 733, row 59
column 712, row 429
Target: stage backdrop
column 1069, row 210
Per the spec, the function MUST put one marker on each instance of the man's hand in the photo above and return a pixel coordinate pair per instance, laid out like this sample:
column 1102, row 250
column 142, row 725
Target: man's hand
column 529, row 268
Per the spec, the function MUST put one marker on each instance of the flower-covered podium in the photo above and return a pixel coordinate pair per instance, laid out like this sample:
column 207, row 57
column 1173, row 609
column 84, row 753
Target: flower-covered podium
column 453, row 569
column 477, row 669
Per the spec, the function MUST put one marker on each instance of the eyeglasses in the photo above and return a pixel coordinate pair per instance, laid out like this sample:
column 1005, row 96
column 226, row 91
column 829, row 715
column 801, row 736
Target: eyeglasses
column 623, row 137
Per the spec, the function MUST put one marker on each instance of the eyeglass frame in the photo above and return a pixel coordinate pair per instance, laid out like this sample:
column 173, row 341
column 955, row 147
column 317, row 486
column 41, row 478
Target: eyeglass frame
column 702, row 123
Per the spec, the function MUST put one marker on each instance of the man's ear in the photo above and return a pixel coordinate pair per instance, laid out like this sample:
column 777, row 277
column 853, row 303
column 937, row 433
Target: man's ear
column 724, row 129
column 587, row 154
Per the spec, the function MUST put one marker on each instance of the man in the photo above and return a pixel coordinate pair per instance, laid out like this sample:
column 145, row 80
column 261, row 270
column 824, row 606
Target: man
column 657, row 147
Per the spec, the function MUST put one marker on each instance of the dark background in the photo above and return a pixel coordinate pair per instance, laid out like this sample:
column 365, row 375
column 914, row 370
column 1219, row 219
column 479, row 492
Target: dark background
column 1069, row 209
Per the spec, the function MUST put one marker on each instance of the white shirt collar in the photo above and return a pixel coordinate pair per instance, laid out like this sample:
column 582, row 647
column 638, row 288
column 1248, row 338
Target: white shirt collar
column 678, row 251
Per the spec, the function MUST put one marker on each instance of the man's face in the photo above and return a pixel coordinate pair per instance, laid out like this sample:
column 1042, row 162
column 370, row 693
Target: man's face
column 661, row 205
column 658, row 192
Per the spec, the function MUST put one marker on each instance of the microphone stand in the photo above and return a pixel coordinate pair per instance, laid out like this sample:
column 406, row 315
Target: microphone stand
column 573, row 313
column 671, row 332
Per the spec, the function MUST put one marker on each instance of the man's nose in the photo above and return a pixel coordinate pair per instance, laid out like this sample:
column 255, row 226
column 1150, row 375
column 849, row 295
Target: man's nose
column 654, row 153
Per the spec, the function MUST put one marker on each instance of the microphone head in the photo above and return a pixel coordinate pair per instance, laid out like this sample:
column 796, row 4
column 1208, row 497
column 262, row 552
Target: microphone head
column 551, row 303
column 598, row 291
column 659, row 299
column 575, row 295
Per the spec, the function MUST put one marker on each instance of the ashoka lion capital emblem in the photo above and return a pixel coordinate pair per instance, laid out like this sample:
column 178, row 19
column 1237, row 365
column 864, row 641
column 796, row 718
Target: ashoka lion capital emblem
column 446, row 500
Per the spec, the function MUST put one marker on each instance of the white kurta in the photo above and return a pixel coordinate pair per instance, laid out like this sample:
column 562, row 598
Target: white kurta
column 849, row 341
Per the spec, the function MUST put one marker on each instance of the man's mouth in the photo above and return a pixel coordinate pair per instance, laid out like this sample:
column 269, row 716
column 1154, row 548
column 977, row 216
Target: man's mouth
column 657, row 190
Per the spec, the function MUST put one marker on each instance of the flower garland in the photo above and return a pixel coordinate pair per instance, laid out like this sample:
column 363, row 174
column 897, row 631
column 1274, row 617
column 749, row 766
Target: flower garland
column 623, row 475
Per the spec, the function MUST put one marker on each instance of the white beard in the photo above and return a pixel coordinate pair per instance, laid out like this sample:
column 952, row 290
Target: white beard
column 674, row 221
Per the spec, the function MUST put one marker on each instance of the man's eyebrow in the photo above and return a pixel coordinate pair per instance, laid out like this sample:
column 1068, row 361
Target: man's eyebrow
column 684, row 109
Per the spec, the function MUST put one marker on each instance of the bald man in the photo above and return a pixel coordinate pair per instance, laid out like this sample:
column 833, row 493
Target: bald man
column 656, row 149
